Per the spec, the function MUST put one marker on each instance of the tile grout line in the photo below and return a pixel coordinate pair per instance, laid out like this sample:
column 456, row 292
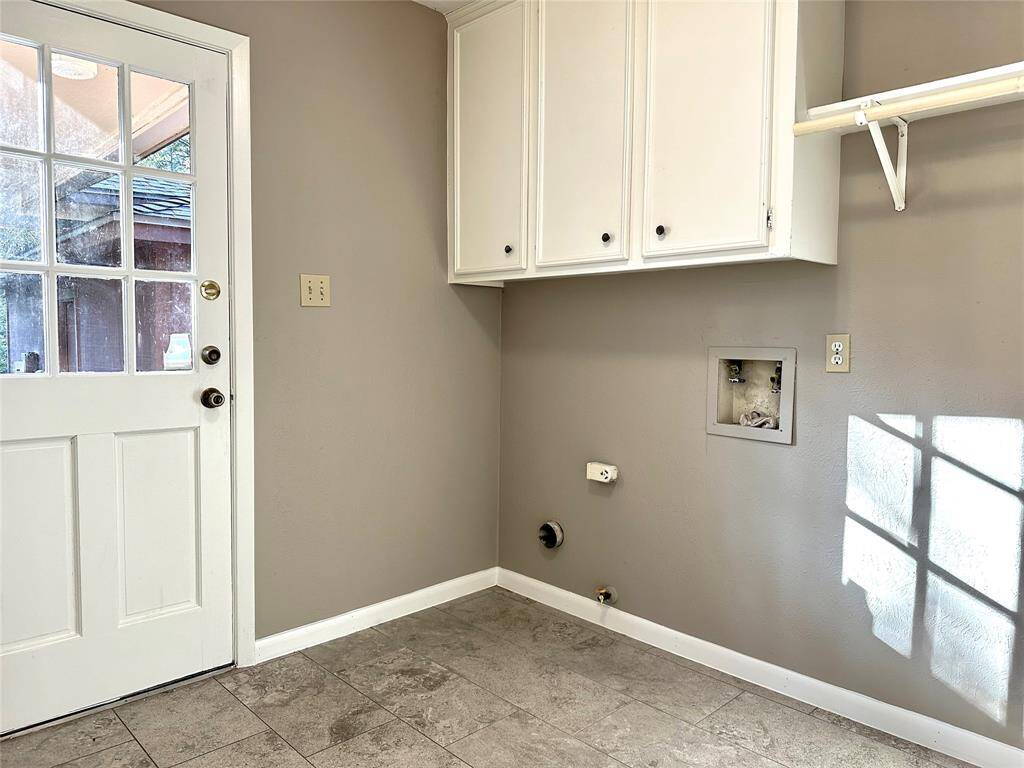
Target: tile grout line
column 727, row 740
column 558, row 728
column 614, row 637
column 530, row 714
column 98, row 751
column 394, row 715
column 719, row 709
column 865, row 736
column 134, row 737
column 532, row 651
column 672, row 659
column 601, row 719
column 499, row 720
column 454, row 672
column 309, row 758
column 265, row 723
column 194, row 757
column 632, row 698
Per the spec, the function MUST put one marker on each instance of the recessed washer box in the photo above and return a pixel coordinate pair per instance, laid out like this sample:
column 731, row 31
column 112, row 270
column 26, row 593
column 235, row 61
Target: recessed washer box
column 750, row 392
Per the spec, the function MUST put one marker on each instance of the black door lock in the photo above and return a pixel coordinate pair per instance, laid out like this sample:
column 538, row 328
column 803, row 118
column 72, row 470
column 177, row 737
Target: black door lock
column 212, row 398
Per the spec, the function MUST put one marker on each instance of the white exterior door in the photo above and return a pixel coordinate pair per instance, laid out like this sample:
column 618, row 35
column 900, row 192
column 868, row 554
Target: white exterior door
column 115, row 522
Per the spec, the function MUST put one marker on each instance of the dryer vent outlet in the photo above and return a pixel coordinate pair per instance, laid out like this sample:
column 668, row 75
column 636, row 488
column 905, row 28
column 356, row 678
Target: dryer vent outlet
column 551, row 534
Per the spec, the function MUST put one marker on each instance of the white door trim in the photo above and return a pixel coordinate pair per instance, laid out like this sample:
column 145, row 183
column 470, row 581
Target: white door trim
column 236, row 48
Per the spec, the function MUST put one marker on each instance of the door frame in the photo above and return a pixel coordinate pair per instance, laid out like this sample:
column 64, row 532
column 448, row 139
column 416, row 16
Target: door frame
column 236, row 48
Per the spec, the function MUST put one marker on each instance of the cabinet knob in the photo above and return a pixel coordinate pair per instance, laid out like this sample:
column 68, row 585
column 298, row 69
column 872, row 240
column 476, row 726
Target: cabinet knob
column 659, row 230
column 508, row 249
column 605, row 237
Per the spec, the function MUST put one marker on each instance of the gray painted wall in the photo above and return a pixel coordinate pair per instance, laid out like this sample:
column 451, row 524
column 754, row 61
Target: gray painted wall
column 743, row 543
column 376, row 419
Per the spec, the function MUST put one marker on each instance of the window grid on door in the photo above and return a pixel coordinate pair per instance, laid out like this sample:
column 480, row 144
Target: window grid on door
column 177, row 187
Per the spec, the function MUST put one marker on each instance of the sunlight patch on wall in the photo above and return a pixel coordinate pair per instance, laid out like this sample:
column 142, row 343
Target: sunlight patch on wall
column 902, row 422
column 974, row 532
column 887, row 576
column 882, row 473
column 993, row 446
column 972, row 646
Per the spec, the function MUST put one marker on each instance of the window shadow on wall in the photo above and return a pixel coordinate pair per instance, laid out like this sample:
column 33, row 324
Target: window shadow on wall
column 934, row 535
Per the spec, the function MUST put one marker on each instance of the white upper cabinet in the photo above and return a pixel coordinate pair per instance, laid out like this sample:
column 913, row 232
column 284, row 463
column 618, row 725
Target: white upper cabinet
column 598, row 136
column 488, row 141
column 583, row 131
column 707, row 112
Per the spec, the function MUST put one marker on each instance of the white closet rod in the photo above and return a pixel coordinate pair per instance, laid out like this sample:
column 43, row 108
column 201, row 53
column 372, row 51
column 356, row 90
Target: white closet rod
column 854, row 119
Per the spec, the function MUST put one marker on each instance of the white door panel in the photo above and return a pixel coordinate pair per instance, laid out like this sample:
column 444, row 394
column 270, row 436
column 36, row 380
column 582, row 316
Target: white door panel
column 116, row 520
column 157, row 494
column 40, row 549
column 584, row 149
column 707, row 114
column 490, row 141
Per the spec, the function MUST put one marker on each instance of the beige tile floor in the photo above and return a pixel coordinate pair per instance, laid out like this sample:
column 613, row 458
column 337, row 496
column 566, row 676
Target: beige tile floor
column 491, row 680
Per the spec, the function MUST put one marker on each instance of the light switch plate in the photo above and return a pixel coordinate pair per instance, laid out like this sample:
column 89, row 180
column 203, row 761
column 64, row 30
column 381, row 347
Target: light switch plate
column 837, row 353
column 315, row 290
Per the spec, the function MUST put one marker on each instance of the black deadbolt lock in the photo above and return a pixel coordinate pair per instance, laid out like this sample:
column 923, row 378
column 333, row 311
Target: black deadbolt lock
column 212, row 398
column 210, row 355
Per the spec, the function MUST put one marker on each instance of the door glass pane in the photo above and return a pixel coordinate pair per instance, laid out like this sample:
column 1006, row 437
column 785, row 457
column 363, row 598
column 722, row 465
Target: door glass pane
column 85, row 108
column 90, row 323
column 160, row 123
column 21, row 183
column 163, row 326
column 88, row 216
column 21, row 323
column 162, row 222
column 20, row 114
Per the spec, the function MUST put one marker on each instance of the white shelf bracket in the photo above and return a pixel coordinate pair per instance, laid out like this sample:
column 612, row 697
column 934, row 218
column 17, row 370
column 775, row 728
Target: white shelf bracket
column 896, row 177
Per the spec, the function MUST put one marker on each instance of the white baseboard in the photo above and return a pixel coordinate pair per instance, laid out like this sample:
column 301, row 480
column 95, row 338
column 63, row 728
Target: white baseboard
column 291, row 640
column 920, row 729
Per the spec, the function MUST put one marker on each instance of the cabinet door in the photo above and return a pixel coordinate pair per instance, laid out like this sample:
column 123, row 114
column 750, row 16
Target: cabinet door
column 583, row 130
column 707, row 114
column 489, row 131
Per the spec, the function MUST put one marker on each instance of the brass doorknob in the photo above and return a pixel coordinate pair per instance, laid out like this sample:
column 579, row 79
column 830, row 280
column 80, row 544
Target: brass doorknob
column 212, row 398
column 209, row 289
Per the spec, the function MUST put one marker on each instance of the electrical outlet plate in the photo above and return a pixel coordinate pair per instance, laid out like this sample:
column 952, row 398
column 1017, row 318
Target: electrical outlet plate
column 315, row 290
column 601, row 472
column 837, row 353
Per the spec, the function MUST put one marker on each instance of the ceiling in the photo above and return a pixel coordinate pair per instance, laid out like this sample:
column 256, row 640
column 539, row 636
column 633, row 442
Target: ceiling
column 444, row 6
